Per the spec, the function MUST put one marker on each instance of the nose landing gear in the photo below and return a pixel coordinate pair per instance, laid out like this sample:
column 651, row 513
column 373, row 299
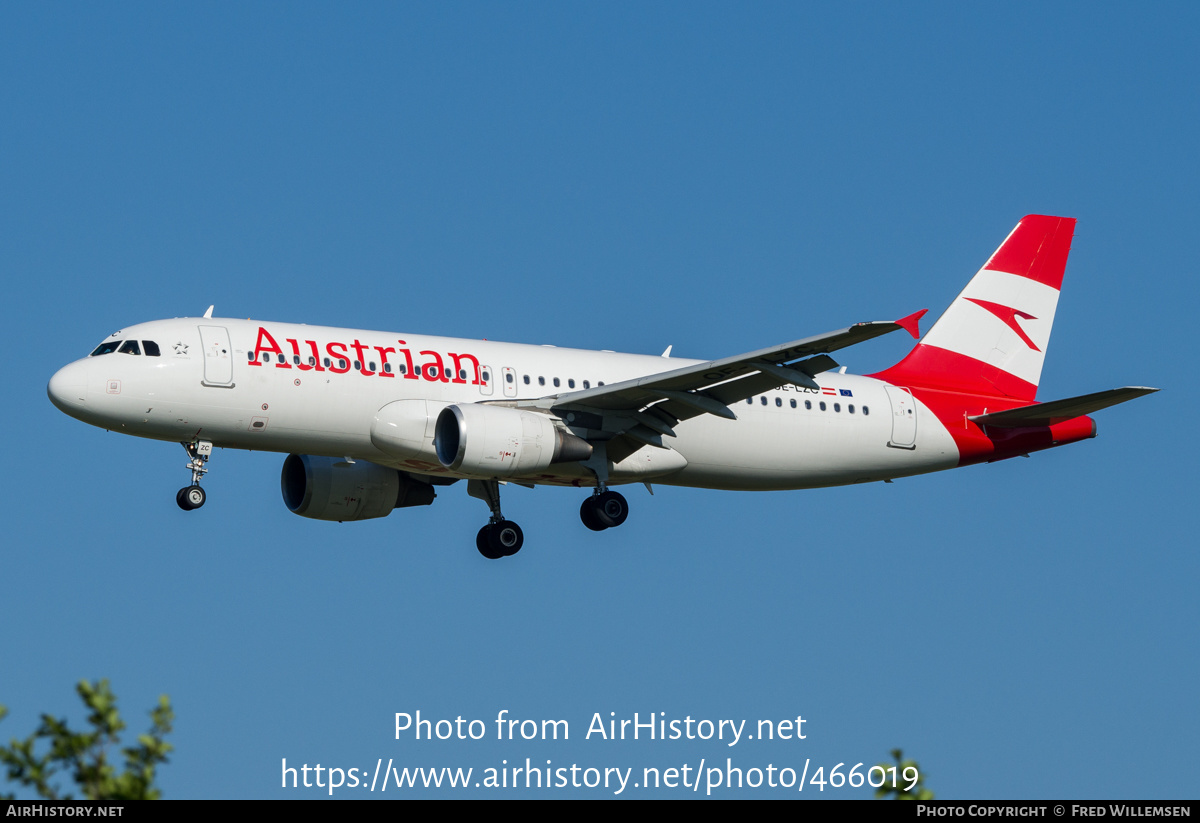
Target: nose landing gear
column 193, row 497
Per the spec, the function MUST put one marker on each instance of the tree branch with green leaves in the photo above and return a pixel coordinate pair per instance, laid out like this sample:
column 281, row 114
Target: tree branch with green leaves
column 907, row 781
column 87, row 756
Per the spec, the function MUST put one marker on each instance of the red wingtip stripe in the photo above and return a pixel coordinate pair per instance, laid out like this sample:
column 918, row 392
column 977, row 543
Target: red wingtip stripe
column 911, row 324
column 1037, row 249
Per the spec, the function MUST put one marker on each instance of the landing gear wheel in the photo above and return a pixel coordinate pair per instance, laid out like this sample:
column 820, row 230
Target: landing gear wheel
column 500, row 537
column 484, row 544
column 506, row 538
column 587, row 513
column 190, row 497
column 611, row 509
column 496, row 540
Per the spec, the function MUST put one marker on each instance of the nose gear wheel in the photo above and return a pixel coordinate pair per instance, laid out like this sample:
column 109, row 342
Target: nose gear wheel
column 193, row 497
column 190, row 497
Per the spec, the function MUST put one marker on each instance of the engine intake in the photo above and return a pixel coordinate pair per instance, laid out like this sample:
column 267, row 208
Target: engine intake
column 328, row 488
column 496, row 441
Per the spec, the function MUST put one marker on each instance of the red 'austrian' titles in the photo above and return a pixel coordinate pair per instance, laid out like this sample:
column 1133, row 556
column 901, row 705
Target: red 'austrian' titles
column 433, row 369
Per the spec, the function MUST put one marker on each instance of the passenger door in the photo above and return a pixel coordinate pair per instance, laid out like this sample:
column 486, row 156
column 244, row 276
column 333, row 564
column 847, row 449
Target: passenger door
column 218, row 357
column 904, row 418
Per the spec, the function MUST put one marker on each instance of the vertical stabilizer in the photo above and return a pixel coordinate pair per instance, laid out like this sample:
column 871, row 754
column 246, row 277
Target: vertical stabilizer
column 993, row 338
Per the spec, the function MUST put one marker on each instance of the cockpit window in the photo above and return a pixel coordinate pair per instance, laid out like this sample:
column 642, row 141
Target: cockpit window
column 151, row 348
column 106, row 348
column 131, row 347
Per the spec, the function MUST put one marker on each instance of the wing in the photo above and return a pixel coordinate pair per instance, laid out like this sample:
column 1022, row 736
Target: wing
column 644, row 409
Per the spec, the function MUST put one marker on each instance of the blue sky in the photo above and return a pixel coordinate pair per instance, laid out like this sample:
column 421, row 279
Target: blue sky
column 615, row 176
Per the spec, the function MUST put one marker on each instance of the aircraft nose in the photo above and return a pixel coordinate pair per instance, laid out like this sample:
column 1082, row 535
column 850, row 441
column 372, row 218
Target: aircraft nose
column 67, row 389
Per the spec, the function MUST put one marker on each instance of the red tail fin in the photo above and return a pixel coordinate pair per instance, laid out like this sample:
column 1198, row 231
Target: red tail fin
column 993, row 338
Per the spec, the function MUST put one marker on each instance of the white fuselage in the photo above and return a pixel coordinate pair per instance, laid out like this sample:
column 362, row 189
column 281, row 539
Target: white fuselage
column 320, row 390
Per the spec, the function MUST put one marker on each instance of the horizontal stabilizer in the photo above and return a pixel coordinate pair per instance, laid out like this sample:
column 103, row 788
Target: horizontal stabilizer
column 1056, row 411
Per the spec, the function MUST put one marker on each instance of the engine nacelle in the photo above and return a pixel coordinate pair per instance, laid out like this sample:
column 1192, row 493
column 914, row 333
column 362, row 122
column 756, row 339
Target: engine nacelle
column 496, row 441
column 404, row 429
column 329, row 488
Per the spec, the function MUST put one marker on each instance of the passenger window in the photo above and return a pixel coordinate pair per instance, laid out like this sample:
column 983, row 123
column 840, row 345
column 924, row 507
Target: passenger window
column 357, row 366
column 403, row 368
column 822, row 405
column 341, row 362
column 462, row 374
column 866, row 411
column 837, row 407
column 749, row 401
column 851, row 408
column 130, row 347
column 296, row 359
column 266, row 357
column 793, row 402
column 587, row 384
column 601, row 383
column 508, row 377
column 486, row 377
column 326, row 362
column 282, row 359
column 557, row 383
column 570, row 382
column 371, row 366
column 250, row 356
column 808, row 404
column 526, row 379
column 763, row 399
column 151, row 348
column 432, row 371
column 387, row 367
column 778, row 401
column 312, row 361
column 541, row 381
column 417, row 372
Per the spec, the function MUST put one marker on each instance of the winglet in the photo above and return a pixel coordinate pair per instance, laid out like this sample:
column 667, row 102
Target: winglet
column 208, row 314
column 911, row 323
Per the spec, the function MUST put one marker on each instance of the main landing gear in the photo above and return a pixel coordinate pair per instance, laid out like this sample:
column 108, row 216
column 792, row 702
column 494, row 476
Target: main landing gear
column 503, row 538
column 193, row 497
column 500, row 537
column 604, row 510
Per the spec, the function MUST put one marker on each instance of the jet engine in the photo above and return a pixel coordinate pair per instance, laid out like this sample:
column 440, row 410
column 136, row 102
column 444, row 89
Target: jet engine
column 496, row 441
column 329, row 488
column 404, row 428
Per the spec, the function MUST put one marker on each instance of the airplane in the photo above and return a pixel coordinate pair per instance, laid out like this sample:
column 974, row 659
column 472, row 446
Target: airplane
column 375, row 421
